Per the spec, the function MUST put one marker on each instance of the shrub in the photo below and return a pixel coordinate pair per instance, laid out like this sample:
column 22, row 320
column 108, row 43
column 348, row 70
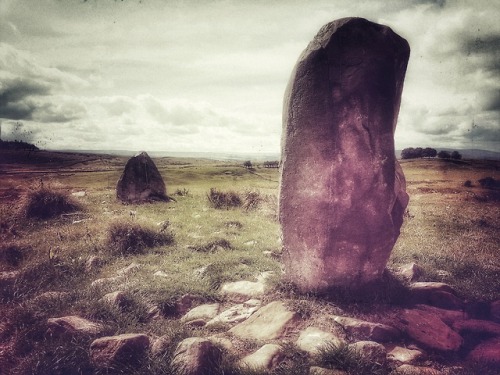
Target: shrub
column 46, row 204
column 13, row 255
column 252, row 200
column 220, row 200
column 468, row 183
column 489, row 183
column 182, row 192
column 125, row 238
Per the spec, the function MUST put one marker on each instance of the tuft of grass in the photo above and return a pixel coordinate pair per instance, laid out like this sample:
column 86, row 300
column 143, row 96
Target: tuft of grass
column 127, row 238
column 44, row 204
column 224, row 200
column 342, row 357
column 212, row 246
column 13, row 256
column 252, row 200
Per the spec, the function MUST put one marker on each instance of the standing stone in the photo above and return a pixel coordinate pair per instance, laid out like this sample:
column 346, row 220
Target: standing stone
column 342, row 192
column 141, row 181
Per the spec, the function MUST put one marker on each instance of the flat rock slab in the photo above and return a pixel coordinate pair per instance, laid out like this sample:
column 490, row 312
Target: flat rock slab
column 240, row 291
column 268, row 323
column 73, row 325
column 429, row 330
column 367, row 330
column 266, row 358
column 236, row 314
column 204, row 312
column 403, row 355
column 111, row 351
column 196, row 356
column 312, row 339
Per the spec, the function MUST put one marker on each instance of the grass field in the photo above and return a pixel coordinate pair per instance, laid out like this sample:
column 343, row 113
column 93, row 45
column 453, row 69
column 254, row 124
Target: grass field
column 450, row 230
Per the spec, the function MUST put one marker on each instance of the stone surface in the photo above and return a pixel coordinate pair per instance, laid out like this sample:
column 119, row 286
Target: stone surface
column 416, row 370
column 487, row 351
column 266, row 358
column 141, row 181
column 428, row 329
column 196, row 356
column 117, row 299
column 410, row 271
column 122, row 350
column 370, row 350
column 312, row 339
column 447, row 316
column 477, row 326
column 268, row 323
column 342, row 192
column 243, row 290
column 236, row 313
column 403, row 355
column 367, row 330
column 73, row 325
column 204, row 312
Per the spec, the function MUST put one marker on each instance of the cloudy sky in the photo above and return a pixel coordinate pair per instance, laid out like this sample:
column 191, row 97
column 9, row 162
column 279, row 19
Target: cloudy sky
column 209, row 75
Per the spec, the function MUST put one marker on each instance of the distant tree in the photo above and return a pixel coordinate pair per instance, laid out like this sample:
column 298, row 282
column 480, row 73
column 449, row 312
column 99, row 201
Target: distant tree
column 412, row 153
column 429, row 152
column 456, row 155
column 443, row 154
column 272, row 164
column 247, row 164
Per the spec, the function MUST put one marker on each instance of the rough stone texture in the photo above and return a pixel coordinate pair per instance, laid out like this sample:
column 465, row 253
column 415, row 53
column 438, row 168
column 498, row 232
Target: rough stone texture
column 312, row 339
column 204, row 312
column 268, row 323
column 410, row 271
column 121, row 350
column 370, row 350
column 266, row 358
column 447, row 316
column 403, row 355
column 237, row 313
column 196, row 356
column 477, row 326
column 73, row 325
column 436, row 294
column 342, row 192
column 488, row 351
column 118, row 299
column 141, row 181
column 428, row 329
column 368, row 330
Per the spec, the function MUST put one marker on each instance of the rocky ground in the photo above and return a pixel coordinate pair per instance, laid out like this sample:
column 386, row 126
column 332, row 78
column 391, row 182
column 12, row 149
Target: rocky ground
column 435, row 333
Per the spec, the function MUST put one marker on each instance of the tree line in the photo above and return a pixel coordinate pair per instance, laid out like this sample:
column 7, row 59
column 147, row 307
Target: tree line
column 428, row 152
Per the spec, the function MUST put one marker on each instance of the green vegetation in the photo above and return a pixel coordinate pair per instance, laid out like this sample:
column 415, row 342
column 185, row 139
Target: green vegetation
column 199, row 242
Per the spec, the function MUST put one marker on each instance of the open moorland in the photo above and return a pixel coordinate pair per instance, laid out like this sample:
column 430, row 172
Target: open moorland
column 167, row 258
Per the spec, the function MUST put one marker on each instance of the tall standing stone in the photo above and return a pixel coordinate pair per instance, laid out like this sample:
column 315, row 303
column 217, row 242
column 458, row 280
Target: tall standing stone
column 342, row 192
column 141, row 181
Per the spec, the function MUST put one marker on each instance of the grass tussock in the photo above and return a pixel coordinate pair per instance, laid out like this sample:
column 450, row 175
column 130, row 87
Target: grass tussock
column 12, row 255
column 224, row 199
column 45, row 204
column 212, row 246
column 127, row 238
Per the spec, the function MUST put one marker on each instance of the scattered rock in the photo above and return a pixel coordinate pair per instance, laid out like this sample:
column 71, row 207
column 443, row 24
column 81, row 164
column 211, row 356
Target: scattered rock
column 367, row 330
column 370, row 350
column 266, row 358
column 447, row 316
column 312, row 339
column 73, row 325
column 132, row 267
column 341, row 185
column 410, row 271
column 269, row 322
column 429, row 330
column 141, row 181
column 403, row 355
column 487, row 351
column 160, row 274
column 196, row 356
column 239, row 291
column 122, row 350
column 435, row 294
column 93, row 263
column 204, row 312
column 237, row 313
column 117, row 299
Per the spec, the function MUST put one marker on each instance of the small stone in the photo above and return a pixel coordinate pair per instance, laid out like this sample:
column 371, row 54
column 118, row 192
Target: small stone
column 204, row 312
column 312, row 339
column 266, row 358
column 447, row 316
column 160, row 274
column 428, row 329
column 122, row 350
column 117, row 299
column 79, row 194
column 268, row 323
column 410, row 271
column 235, row 314
column 73, row 325
column 196, row 356
column 370, row 350
column 133, row 267
column 93, row 263
column 239, row 291
column 403, row 355
column 368, row 330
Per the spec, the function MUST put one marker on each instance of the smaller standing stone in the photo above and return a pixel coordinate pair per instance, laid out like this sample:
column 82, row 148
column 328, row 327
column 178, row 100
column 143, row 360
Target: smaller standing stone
column 141, row 181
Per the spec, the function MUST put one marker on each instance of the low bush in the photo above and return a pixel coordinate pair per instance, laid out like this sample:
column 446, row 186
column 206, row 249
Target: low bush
column 126, row 238
column 252, row 200
column 13, row 255
column 224, row 200
column 44, row 203
column 489, row 183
